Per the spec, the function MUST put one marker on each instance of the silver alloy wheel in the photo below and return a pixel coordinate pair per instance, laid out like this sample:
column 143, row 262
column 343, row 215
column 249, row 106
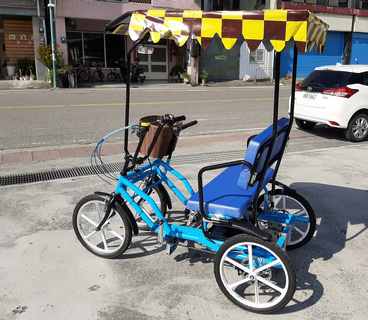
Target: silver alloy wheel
column 360, row 127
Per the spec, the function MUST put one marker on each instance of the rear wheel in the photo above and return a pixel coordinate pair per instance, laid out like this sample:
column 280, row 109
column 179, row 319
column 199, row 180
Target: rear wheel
column 357, row 129
column 254, row 274
column 304, row 124
column 112, row 239
column 111, row 77
column 292, row 203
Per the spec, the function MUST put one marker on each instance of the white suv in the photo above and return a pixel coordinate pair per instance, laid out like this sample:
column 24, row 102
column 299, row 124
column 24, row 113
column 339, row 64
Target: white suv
column 336, row 96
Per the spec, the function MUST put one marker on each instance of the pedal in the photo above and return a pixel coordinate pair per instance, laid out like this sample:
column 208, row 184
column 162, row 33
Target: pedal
column 171, row 245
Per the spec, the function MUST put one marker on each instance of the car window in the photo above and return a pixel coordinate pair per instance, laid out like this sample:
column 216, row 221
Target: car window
column 365, row 78
column 320, row 80
column 356, row 78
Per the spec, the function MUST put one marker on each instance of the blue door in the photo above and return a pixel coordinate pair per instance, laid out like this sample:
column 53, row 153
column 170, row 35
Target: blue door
column 359, row 49
column 308, row 61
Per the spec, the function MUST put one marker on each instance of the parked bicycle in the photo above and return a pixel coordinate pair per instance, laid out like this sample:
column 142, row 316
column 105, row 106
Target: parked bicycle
column 84, row 74
column 98, row 75
column 114, row 75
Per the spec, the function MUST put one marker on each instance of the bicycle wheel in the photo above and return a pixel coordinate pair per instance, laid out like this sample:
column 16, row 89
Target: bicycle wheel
column 98, row 75
column 115, row 235
column 254, row 274
column 83, row 75
column 157, row 196
column 293, row 203
column 111, row 77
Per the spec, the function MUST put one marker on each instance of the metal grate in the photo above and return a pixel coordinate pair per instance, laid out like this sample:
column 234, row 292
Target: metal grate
column 116, row 167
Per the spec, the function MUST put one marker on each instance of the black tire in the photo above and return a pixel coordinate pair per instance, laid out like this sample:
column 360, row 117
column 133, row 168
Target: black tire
column 250, row 285
column 115, row 235
column 98, row 75
column 357, row 129
column 83, row 76
column 156, row 194
column 111, row 77
column 304, row 124
column 292, row 203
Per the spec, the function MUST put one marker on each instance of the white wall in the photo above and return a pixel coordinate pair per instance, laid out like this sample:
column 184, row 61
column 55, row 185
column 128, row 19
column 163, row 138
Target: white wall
column 263, row 70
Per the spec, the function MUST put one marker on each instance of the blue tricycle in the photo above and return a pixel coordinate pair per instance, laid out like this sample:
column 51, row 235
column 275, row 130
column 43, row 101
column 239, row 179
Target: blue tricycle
column 244, row 215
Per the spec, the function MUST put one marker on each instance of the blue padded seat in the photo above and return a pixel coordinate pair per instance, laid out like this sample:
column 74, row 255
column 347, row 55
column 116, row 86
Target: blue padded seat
column 230, row 194
column 223, row 196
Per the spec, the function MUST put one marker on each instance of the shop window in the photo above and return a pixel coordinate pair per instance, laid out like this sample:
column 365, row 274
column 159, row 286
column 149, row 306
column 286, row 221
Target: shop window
column 75, row 52
column 93, row 44
column 114, row 50
column 256, row 56
column 95, row 48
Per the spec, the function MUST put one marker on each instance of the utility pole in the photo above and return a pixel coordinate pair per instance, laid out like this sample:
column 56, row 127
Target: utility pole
column 53, row 40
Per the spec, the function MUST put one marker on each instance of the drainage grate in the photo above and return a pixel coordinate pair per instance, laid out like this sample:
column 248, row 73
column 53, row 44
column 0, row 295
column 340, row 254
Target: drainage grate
column 115, row 167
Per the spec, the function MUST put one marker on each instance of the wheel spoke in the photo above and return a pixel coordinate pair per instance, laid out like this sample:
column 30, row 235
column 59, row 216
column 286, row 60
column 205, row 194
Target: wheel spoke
column 89, row 235
column 89, row 220
column 115, row 234
column 237, row 264
column 302, row 233
column 271, row 285
column 256, row 291
column 238, row 283
column 104, row 240
column 268, row 265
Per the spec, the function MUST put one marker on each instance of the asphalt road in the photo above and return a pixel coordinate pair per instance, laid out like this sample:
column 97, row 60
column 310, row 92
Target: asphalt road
column 39, row 118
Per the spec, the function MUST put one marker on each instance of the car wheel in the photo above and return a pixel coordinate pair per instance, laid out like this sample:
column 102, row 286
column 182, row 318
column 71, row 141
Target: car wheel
column 304, row 124
column 357, row 129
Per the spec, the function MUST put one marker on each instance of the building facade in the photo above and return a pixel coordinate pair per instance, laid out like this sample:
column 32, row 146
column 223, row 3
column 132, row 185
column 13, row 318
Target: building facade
column 19, row 22
column 347, row 37
column 79, row 32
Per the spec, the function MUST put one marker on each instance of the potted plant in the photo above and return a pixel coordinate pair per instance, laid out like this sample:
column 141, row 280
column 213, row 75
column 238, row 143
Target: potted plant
column 25, row 66
column 204, row 76
column 175, row 72
column 186, row 77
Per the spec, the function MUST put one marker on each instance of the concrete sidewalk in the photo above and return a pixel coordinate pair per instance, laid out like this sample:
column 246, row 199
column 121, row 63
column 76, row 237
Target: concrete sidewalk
column 36, row 84
column 47, row 274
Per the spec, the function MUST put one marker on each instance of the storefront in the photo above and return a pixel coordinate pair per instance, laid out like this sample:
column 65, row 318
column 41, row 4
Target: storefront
column 16, row 41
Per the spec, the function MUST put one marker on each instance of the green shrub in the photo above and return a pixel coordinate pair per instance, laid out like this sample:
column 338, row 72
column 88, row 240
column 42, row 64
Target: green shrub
column 26, row 66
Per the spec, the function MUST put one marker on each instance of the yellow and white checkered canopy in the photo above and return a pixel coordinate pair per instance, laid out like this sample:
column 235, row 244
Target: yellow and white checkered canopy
column 277, row 26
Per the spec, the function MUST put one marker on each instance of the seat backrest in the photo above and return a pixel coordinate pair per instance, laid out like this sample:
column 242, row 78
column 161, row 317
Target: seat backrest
column 257, row 152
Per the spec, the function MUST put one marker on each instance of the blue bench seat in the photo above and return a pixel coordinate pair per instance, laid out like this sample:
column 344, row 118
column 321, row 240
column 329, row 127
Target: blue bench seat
column 231, row 193
column 223, row 196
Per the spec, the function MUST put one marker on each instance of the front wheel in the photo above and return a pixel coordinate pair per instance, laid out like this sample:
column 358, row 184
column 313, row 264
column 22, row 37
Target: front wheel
column 292, row 203
column 111, row 77
column 357, row 129
column 304, row 124
column 254, row 274
column 112, row 239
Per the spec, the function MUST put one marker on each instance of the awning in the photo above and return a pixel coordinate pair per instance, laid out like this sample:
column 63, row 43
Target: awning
column 276, row 27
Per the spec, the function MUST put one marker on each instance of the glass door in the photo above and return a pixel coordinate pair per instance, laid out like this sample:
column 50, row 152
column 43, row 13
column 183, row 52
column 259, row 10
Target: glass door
column 155, row 66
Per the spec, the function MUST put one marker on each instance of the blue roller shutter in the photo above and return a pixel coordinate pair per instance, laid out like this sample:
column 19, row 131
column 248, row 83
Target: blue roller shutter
column 307, row 62
column 359, row 49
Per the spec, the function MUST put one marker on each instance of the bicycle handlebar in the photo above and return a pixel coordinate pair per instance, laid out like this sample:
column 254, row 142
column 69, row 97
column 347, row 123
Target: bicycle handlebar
column 189, row 124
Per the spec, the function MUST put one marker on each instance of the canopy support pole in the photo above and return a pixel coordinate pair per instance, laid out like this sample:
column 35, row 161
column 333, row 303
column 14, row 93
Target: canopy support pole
column 293, row 83
column 142, row 40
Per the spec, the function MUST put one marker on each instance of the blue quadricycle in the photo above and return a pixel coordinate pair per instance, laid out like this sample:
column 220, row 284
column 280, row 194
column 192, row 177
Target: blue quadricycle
column 243, row 215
